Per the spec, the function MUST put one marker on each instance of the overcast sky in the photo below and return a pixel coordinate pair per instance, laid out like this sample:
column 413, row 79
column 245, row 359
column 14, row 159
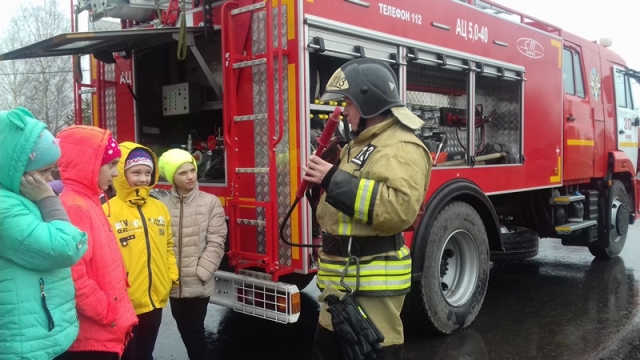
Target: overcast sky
column 615, row 19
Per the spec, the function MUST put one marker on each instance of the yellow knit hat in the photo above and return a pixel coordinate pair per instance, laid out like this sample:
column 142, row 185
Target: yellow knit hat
column 171, row 160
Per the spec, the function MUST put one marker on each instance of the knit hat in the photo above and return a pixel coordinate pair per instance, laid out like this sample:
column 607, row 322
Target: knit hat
column 46, row 152
column 171, row 160
column 111, row 152
column 138, row 157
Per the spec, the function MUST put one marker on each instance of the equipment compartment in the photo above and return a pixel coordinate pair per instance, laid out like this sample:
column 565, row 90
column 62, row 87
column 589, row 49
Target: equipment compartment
column 164, row 82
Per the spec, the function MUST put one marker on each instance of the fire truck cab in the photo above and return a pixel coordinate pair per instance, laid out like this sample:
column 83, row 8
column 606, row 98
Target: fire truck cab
column 533, row 130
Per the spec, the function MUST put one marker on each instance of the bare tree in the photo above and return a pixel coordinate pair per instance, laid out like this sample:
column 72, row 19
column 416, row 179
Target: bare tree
column 87, row 112
column 42, row 85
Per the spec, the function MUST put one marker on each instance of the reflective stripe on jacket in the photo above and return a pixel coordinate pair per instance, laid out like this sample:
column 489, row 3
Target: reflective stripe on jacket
column 388, row 274
column 377, row 191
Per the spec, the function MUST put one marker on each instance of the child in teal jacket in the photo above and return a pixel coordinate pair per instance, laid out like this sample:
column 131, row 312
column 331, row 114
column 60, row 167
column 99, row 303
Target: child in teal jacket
column 37, row 297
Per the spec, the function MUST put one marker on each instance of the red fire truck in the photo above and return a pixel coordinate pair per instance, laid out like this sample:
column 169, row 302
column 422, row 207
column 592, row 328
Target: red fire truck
column 533, row 130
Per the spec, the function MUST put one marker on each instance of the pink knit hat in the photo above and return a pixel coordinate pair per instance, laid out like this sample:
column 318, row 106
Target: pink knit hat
column 111, row 152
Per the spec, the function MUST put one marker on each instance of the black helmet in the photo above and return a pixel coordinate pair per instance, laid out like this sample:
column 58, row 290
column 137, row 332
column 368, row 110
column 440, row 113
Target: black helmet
column 369, row 83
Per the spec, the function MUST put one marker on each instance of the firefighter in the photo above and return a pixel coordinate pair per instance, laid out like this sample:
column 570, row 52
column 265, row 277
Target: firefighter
column 371, row 196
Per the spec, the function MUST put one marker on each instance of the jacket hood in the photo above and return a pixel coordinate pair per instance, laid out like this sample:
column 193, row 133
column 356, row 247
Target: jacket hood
column 126, row 193
column 82, row 148
column 19, row 132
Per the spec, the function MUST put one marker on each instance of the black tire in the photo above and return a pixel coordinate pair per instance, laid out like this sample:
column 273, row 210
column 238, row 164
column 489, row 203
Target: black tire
column 519, row 243
column 618, row 209
column 437, row 307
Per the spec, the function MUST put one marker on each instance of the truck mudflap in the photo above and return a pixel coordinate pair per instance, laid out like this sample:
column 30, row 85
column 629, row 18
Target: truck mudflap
column 263, row 298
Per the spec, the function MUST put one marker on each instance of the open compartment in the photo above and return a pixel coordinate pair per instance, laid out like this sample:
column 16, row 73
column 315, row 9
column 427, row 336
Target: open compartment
column 472, row 110
column 178, row 107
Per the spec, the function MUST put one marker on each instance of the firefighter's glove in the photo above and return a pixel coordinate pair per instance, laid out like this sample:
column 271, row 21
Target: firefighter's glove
column 346, row 337
column 368, row 337
column 368, row 333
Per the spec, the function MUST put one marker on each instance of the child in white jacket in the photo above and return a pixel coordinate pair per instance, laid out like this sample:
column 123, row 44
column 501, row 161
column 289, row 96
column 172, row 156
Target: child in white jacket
column 200, row 231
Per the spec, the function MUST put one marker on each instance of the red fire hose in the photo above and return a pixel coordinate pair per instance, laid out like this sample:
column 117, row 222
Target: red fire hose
column 323, row 142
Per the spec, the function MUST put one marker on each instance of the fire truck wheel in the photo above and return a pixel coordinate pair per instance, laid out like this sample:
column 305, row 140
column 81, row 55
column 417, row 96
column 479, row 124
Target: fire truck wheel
column 619, row 210
column 456, row 271
column 519, row 243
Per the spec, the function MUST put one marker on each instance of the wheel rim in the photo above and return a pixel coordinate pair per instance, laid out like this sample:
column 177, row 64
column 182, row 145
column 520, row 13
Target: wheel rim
column 619, row 219
column 459, row 267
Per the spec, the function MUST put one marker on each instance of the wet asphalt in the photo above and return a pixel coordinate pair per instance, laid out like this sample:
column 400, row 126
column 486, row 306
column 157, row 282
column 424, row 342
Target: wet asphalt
column 562, row 304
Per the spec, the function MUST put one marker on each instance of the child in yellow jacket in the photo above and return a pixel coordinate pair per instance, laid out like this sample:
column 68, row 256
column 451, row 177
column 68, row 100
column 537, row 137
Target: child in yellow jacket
column 142, row 226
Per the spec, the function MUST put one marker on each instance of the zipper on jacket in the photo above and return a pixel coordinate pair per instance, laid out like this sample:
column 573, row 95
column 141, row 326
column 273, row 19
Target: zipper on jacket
column 180, row 247
column 146, row 239
column 43, row 296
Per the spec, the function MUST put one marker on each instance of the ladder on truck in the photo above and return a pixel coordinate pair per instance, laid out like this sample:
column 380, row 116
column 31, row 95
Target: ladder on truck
column 256, row 117
column 101, row 87
column 254, row 132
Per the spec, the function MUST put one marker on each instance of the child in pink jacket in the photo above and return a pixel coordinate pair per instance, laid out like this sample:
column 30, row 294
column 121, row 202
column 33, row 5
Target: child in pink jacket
column 87, row 167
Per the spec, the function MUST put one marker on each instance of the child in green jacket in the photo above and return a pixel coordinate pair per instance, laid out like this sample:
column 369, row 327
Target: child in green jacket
column 37, row 298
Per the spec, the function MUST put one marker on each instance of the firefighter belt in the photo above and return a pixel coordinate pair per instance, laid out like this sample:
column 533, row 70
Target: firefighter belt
column 361, row 246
